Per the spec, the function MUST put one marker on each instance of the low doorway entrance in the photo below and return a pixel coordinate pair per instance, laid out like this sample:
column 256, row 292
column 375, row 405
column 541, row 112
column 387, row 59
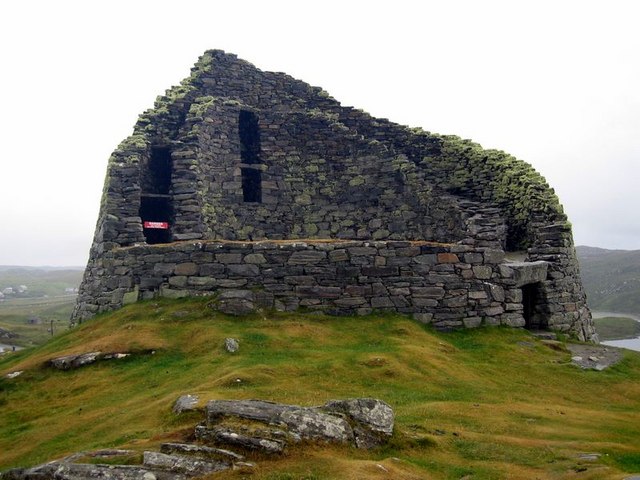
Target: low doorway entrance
column 155, row 211
column 531, row 302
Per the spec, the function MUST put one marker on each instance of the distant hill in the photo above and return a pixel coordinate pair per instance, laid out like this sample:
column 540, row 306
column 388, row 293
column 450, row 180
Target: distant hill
column 611, row 278
column 40, row 281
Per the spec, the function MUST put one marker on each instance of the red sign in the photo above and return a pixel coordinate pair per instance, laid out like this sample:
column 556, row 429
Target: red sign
column 158, row 225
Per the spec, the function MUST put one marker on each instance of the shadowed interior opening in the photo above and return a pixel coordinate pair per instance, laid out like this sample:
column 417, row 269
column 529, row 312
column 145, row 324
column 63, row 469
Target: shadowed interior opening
column 157, row 175
column 155, row 211
column 250, row 155
column 530, row 299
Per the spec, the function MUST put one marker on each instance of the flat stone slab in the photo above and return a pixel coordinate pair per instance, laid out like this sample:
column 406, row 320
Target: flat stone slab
column 594, row 357
column 71, row 362
column 257, row 441
column 525, row 273
column 200, row 451
column 188, row 465
column 82, row 471
column 186, row 403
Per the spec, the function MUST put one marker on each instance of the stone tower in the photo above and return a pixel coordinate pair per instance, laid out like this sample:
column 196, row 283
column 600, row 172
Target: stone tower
column 262, row 190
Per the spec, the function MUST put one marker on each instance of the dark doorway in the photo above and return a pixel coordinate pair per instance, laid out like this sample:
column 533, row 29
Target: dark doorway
column 155, row 211
column 530, row 299
column 250, row 155
column 157, row 177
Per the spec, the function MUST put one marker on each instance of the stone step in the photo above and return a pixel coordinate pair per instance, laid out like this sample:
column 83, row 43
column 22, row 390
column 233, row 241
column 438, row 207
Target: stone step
column 200, row 451
column 182, row 464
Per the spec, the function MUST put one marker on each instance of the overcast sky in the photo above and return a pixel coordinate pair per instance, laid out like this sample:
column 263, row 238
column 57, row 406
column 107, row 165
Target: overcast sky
column 555, row 83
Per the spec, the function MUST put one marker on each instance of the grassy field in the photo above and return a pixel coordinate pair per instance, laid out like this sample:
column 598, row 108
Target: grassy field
column 492, row 403
column 616, row 328
column 15, row 315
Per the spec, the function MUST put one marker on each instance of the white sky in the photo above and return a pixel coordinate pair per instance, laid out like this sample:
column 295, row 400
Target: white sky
column 555, row 83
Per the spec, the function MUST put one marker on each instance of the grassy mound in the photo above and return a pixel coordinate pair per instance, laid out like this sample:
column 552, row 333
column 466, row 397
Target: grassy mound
column 490, row 403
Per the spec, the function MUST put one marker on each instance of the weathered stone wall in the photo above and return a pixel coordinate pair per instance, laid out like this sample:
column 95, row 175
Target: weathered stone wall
column 326, row 171
column 448, row 285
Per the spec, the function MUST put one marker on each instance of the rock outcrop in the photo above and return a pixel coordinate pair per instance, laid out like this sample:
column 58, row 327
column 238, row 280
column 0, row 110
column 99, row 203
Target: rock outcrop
column 252, row 426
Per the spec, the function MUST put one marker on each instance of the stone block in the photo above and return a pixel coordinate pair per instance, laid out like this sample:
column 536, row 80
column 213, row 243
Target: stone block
column 318, row 291
column 493, row 311
column 303, row 257
column 350, row 301
column 408, row 251
column 300, row 280
column 426, row 259
column 428, row 292
column 243, row 270
column 201, row 257
column 472, row 322
column 130, row 297
column 497, row 293
column 529, row 272
column 178, row 281
column 188, row 268
column 207, row 282
column 493, row 257
column 482, row 272
column 448, row 258
column 255, row 258
column 425, row 318
column 473, row 258
column 513, row 295
column 168, row 292
column 398, row 261
column 150, row 282
column 381, row 302
column 360, row 251
column 478, row 295
column 164, row 268
column 399, row 301
column 338, row 256
column 424, row 302
column 453, row 302
column 227, row 258
column 229, row 282
column 211, row 269
column 357, row 290
column 380, row 271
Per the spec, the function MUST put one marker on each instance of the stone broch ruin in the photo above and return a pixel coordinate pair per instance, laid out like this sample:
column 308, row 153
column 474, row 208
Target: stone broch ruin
column 265, row 192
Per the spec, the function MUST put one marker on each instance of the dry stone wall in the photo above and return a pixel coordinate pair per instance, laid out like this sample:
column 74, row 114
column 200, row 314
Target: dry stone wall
column 318, row 170
column 446, row 285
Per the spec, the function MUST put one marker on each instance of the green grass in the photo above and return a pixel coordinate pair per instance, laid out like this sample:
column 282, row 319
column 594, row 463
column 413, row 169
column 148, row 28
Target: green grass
column 15, row 315
column 491, row 403
column 616, row 328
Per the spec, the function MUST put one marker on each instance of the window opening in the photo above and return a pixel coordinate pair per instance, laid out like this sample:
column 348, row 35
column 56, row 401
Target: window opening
column 158, row 178
column 250, row 155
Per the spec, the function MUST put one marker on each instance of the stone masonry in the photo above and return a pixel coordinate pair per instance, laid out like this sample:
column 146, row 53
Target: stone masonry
column 249, row 183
